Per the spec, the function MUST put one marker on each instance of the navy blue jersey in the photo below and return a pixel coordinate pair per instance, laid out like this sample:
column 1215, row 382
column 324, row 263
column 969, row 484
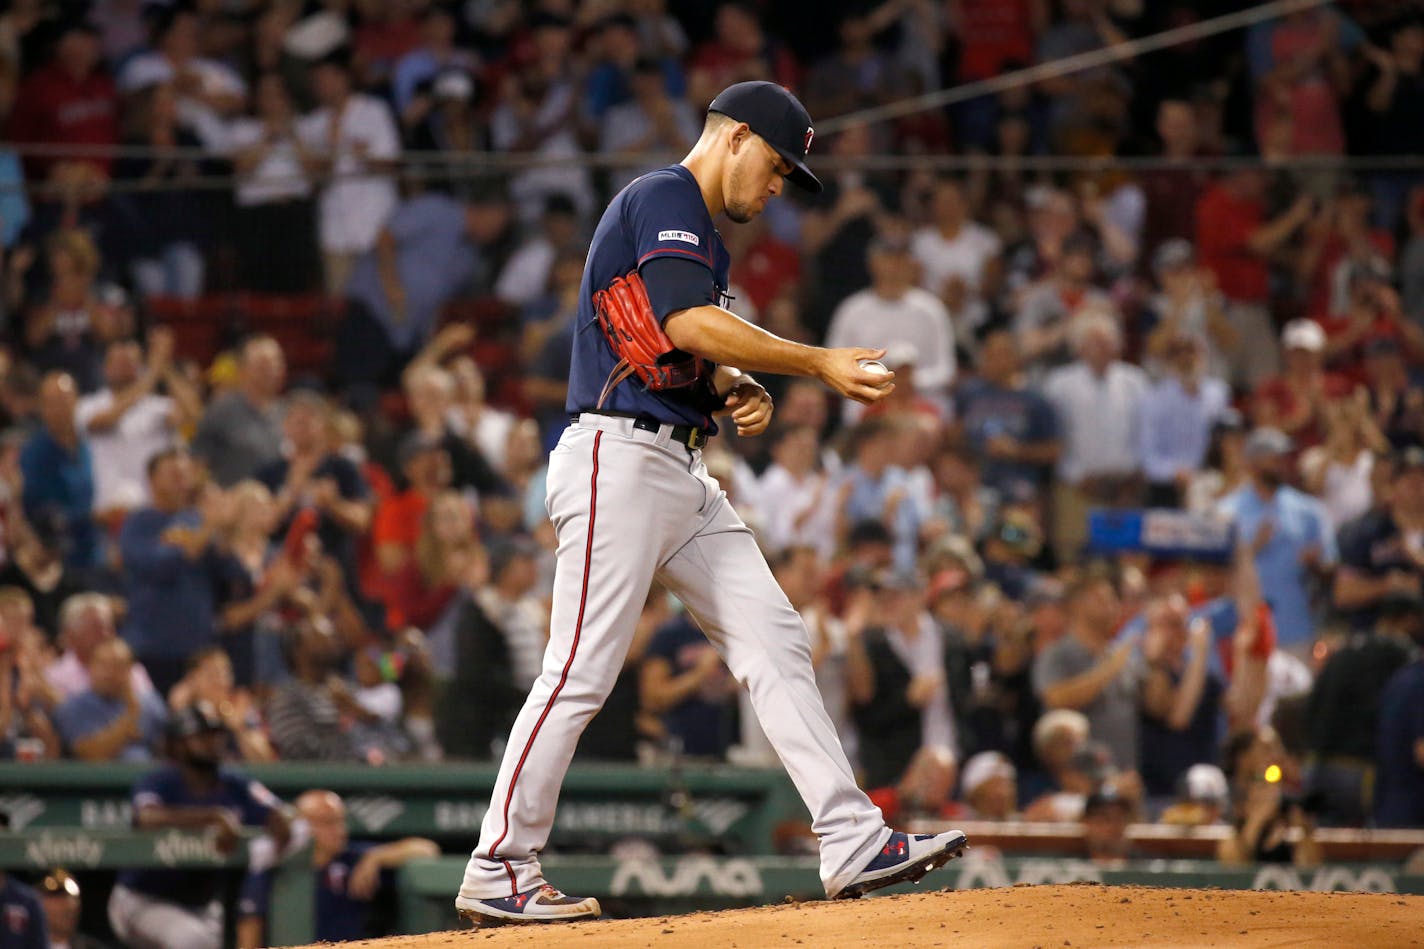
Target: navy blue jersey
column 661, row 214
column 340, row 917
column 248, row 799
column 22, row 918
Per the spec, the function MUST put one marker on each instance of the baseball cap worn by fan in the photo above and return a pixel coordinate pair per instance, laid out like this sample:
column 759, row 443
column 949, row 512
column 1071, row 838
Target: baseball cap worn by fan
column 779, row 118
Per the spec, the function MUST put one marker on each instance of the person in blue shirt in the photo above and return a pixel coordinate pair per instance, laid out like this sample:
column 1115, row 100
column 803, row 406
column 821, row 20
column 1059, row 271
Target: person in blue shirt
column 350, row 875
column 1291, row 534
column 112, row 720
column 426, row 254
column 181, row 909
column 1011, row 429
column 684, row 682
column 59, row 472
column 170, row 569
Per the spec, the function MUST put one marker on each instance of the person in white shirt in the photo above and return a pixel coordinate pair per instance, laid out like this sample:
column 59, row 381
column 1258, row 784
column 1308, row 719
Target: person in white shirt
column 797, row 495
column 85, row 621
column 274, row 224
column 1097, row 399
column 127, row 423
column 208, row 91
column 356, row 137
column 525, row 277
column 893, row 310
column 958, row 257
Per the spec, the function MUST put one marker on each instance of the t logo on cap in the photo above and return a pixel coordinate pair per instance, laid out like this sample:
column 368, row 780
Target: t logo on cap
column 810, row 134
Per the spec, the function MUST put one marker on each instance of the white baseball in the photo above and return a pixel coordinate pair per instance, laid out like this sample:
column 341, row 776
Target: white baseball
column 874, row 365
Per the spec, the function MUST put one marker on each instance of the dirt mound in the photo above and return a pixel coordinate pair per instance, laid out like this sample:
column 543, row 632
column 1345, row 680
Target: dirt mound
column 1081, row 915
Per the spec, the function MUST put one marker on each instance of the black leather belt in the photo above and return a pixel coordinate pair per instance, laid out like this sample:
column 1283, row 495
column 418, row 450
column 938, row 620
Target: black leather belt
column 689, row 435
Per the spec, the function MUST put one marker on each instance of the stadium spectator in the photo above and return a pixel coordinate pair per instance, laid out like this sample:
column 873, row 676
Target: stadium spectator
column 24, row 914
column 312, row 477
column 309, row 716
column 1187, row 304
column 1175, row 420
column 1106, row 815
column 425, row 255
column 1172, row 193
column 26, row 698
column 170, row 213
column 1236, row 239
column 684, row 683
column 68, row 329
column 1048, row 311
column 1299, row 65
column 59, row 893
column 274, row 224
column 69, row 101
column 254, row 583
column 739, row 49
column 653, row 119
column 614, row 60
column 797, row 494
column 430, row 394
column 513, row 605
column 1380, row 554
column 856, row 74
column 1011, row 430
column 894, row 310
column 1290, row 532
column 988, row 786
column 111, row 720
column 537, row 113
column 170, row 566
column 1203, row 798
column 208, row 91
column 958, row 258
column 875, row 488
column 395, row 532
column 209, row 679
column 356, row 139
column 180, row 909
column 1181, row 695
column 1371, row 313
column 86, row 620
column 241, row 429
column 1399, row 783
column 1342, row 715
column 419, row 69
column 1396, row 394
column 1088, row 671
column 58, row 472
column 421, row 589
column 127, row 422
column 1097, row 399
column 350, row 875
column 837, row 227
column 896, row 680
column 527, row 273
column 1340, row 472
column 1262, row 830
column 471, row 658
column 452, row 124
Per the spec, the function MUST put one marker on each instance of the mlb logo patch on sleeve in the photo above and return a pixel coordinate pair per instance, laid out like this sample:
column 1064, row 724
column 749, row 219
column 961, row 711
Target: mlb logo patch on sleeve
column 687, row 237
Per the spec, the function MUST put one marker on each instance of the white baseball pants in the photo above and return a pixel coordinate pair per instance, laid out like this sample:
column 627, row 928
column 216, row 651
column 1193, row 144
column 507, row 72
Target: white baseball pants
column 631, row 506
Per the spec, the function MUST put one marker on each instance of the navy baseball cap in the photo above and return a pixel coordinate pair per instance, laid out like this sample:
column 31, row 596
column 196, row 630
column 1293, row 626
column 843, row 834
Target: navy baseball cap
column 779, row 118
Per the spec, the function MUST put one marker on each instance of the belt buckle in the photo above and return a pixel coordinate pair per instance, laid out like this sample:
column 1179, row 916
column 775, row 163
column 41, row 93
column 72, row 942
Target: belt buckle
column 693, row 435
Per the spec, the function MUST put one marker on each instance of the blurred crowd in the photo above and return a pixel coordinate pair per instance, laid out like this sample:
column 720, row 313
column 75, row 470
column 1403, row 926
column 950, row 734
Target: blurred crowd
column 353, row 562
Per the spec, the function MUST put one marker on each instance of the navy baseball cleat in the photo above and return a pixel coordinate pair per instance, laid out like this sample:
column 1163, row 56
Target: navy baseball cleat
column 904, row 859
column 541, row 904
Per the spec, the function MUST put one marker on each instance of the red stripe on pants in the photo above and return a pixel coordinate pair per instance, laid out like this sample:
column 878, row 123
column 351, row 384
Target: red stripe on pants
column 573, row 651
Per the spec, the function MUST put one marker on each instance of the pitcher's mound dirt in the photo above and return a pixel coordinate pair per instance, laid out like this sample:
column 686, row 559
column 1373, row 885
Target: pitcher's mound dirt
column 1021, row 917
